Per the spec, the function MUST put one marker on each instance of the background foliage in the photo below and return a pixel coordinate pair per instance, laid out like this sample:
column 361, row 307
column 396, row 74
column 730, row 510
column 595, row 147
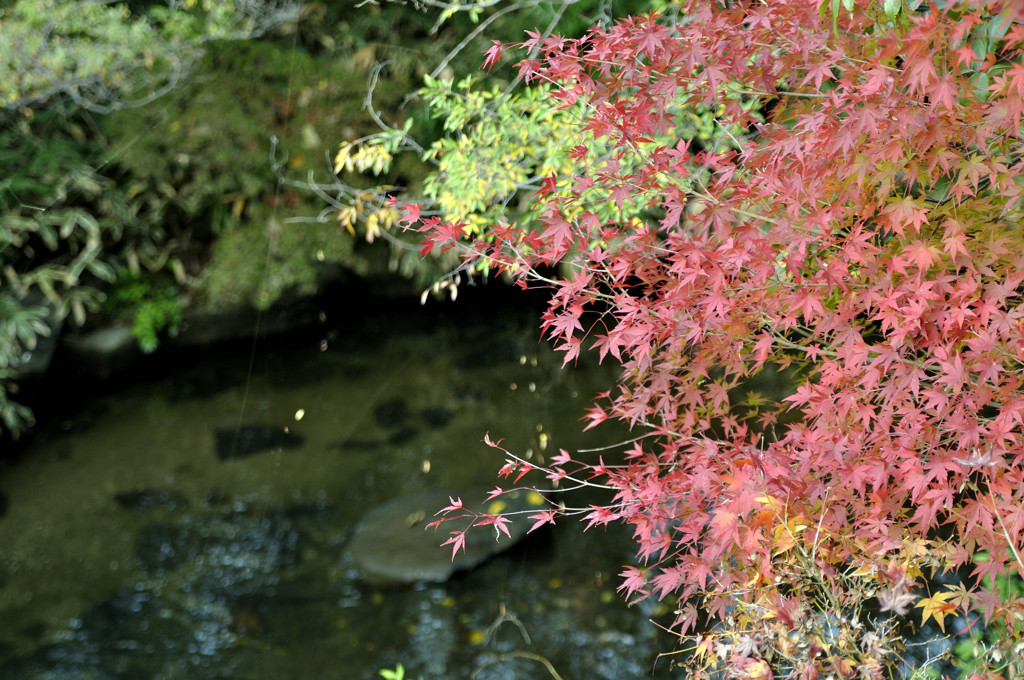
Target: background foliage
column 65, row 224
column 138, row 147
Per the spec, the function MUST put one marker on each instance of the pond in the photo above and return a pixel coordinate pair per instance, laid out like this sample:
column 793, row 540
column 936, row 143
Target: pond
column 163, row 533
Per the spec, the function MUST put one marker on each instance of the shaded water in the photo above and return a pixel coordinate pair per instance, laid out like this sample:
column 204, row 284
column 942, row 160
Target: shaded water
column 131, row 550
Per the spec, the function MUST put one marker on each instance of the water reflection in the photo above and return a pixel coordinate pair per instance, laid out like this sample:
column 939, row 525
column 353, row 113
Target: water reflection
column 196, row 528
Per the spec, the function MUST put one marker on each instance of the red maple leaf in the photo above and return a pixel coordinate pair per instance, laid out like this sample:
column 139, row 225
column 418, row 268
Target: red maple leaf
column 493, row 54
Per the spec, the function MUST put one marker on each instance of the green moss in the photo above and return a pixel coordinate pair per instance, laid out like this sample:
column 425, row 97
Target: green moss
column 151, row 302
column 260, row 261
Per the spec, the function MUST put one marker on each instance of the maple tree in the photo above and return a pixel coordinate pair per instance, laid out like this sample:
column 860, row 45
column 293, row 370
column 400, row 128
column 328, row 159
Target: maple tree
column 859, row 227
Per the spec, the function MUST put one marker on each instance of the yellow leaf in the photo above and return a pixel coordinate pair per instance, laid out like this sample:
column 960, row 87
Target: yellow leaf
column 342, row 160
column 912, row 570
column 936, row 607
column 784, row 535
column 758, row 670
column 866, row 570
column 703, row 649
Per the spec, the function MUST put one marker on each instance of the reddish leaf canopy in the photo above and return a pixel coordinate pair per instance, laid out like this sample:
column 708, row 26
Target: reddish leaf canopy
column 864, row 229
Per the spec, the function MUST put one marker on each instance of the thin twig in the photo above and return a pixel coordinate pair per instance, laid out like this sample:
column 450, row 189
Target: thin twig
column 469, row 38
column 1006, row 534
column 524, row 655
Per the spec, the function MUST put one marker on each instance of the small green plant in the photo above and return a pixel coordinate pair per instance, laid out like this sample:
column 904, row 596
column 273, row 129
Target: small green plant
column 153, row 308
column 397, row 674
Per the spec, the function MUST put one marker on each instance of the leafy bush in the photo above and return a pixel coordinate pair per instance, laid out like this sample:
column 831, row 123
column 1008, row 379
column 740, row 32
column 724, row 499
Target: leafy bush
column 52, row 234
column 103, row 57
column 64, row 225
column 475, row 150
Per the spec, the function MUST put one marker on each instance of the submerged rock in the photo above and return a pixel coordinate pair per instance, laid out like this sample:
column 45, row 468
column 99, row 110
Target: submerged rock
column 391, row 413
column 392, row 545
column 436, row 417
column 247, row 440
column 401, row 435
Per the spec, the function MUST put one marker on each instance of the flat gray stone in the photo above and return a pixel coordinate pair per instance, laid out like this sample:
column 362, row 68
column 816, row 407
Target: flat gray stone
column 391, row 544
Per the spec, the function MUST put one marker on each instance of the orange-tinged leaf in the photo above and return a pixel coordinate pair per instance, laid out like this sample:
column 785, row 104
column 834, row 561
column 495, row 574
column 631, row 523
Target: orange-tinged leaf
column 703, row 648
column 936, row 607
column 784, row 535
column 759, row 670
column 921, row 254
column 844, row 666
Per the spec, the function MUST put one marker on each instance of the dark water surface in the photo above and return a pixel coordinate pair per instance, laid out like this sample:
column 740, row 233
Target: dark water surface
column 195, row 525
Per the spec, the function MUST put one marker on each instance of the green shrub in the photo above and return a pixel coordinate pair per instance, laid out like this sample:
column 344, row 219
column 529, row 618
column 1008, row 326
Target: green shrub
column 65, row 223
column 152, row 305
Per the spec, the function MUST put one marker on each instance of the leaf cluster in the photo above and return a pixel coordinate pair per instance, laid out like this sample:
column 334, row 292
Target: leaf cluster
column 153, row 306
column 475, row 148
